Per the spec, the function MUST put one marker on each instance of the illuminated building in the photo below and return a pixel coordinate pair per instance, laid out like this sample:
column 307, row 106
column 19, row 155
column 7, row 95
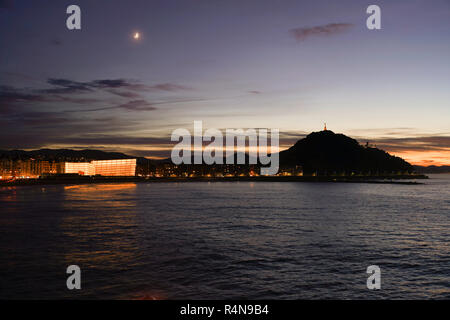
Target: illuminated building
column 291, row 171
column 82, row 168
column 122, row 167
column 30, row 168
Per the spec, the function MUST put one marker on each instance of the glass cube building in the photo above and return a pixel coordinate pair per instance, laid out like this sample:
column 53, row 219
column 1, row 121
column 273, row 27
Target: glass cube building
column 122, row 167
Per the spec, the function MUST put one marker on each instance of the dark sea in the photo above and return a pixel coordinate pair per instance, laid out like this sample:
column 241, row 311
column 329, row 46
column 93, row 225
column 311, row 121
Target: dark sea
column 226, row 240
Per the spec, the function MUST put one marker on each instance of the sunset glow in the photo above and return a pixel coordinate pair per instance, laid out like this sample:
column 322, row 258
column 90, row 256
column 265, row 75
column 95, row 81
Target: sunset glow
column 426, row 158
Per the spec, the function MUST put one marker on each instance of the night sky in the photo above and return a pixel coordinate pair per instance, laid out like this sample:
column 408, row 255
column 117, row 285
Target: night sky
column 291, row 65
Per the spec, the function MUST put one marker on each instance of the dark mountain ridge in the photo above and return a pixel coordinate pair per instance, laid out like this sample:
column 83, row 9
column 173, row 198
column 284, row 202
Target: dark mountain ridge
column 67, row 155
column 326, row 152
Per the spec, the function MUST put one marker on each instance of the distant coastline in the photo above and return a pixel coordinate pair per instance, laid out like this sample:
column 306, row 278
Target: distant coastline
column 388, row 179
column 322, row 156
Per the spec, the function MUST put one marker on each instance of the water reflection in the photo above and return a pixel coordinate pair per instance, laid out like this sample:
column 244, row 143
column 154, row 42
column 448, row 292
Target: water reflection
column 226, row 240
column 8, row 194
column 104, row 187
column 100, row 224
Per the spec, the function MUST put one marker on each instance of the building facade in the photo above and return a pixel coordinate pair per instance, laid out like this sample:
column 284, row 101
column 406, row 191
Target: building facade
column 82, row 168
column 28, row 168
column 122, row 167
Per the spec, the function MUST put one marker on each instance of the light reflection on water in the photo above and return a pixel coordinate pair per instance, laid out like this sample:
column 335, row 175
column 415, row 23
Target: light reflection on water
column 226, row 240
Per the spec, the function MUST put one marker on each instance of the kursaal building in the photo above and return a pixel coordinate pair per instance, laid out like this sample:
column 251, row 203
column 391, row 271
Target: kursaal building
column 122, row 167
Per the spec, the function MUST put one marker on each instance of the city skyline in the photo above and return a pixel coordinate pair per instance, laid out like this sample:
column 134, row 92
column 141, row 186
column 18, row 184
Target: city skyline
column 133, row 74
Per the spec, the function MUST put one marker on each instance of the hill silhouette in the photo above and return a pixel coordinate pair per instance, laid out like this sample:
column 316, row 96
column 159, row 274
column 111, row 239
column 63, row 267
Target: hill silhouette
column 326, row 152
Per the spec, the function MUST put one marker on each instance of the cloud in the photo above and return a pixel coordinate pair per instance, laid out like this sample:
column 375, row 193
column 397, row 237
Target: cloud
column 133, row 105
column 289, row 138
column 106, row 139
column 113, row 83
column 168, row 87
column 125, row 94
column 395, row 131
column 64, row 86
column 69, row 86
column 58, row 98
column 137, row 105
column 65, row 90
column 140, row 105
column 301, row 34
column 134, row 85
column 423, row 143
column 10, row 95
column 37, row 118
column 255, row 92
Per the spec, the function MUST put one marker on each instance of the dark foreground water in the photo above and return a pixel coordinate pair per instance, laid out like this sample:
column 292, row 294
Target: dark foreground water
column 226, row 240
